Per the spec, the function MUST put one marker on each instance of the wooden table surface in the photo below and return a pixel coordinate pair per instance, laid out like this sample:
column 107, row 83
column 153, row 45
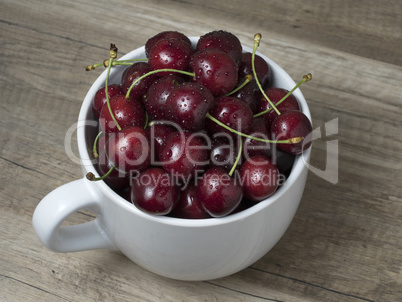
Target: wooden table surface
column 345, row 242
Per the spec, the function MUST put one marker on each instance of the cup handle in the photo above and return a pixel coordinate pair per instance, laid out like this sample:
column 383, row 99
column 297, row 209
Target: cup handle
column 55, row 207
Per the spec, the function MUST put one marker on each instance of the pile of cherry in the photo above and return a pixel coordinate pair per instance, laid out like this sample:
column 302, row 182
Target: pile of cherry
column 196, row 132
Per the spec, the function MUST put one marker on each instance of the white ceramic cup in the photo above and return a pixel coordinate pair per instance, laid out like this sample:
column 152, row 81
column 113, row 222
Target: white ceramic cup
column 184, row 249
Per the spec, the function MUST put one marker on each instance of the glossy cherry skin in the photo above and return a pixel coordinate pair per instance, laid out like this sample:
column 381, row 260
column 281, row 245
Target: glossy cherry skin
column 115, row 180
column 164, row 35
column 154, row 192
column 219, row 193
column 158, row 134
column 131, row 74
column 253, row 147
column 184, row 154
column 100, row 98
column 259, row 177
column 127, row 113
column 223, row 152
column 188, row 104
column 262, row 68
column 275, row 95
column 215, row 70
column 129, row 149
column 233, row 113
column 292, row 124
column 170, row 53
column 157, row 95
column 283, row 160
column 189, row 207
column 224, row 41
column 249, row 94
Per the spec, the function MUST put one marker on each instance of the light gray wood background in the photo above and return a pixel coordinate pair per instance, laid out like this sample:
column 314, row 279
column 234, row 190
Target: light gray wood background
column 345, row 243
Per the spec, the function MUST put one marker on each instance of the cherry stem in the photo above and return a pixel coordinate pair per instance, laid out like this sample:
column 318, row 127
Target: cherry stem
column 306, row 78
column 115, row 63
column 247, row 79
column 94, row 151
column 192, row 74
column 90, row 176
column 257, row 39
column 113, row 55
column 293, row 140
column 146, row 120
column 156, row 122
column 237, row 158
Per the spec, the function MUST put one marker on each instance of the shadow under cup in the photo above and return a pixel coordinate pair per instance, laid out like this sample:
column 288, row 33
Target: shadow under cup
column 184, row 249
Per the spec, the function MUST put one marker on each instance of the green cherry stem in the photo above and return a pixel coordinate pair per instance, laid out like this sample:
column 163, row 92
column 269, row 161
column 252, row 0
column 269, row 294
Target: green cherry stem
column 146, row 120
column 257, row 39
column 94, row 151
column 132, row 60
column 115, row 63
column 247, row 79
column 90, row 176
column 305, row 79
column 192, row 74
column 237, row 158
column 113, row 55
column 293, row 140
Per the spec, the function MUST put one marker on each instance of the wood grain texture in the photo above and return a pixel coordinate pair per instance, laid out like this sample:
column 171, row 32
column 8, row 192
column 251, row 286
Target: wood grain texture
column 345, row 243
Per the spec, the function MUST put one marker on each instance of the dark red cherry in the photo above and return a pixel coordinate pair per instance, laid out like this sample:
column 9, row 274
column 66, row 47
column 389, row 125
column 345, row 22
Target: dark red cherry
column 131, row 74
column 252, row 147
column 184, row 154
column 262, row 68
column 129, row 149
column 170, row 53
column 233, row 113
column 284, row 161
column 224, row 41
column 100, row 98
column 189, row 207
column 219, row 193
column 223, row 152
column 154, row 192
column 115, row 179
column 259, row 177
column 275, row 95
column 188, row 104
column 250, row 94
column 292, row 124
column 157, row 135
column 215, row 70
column 164, row 35
column 126, row 113
column 157, row 95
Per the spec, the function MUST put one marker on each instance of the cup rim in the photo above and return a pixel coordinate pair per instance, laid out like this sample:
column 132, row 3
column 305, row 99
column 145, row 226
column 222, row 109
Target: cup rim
column 86, row 162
